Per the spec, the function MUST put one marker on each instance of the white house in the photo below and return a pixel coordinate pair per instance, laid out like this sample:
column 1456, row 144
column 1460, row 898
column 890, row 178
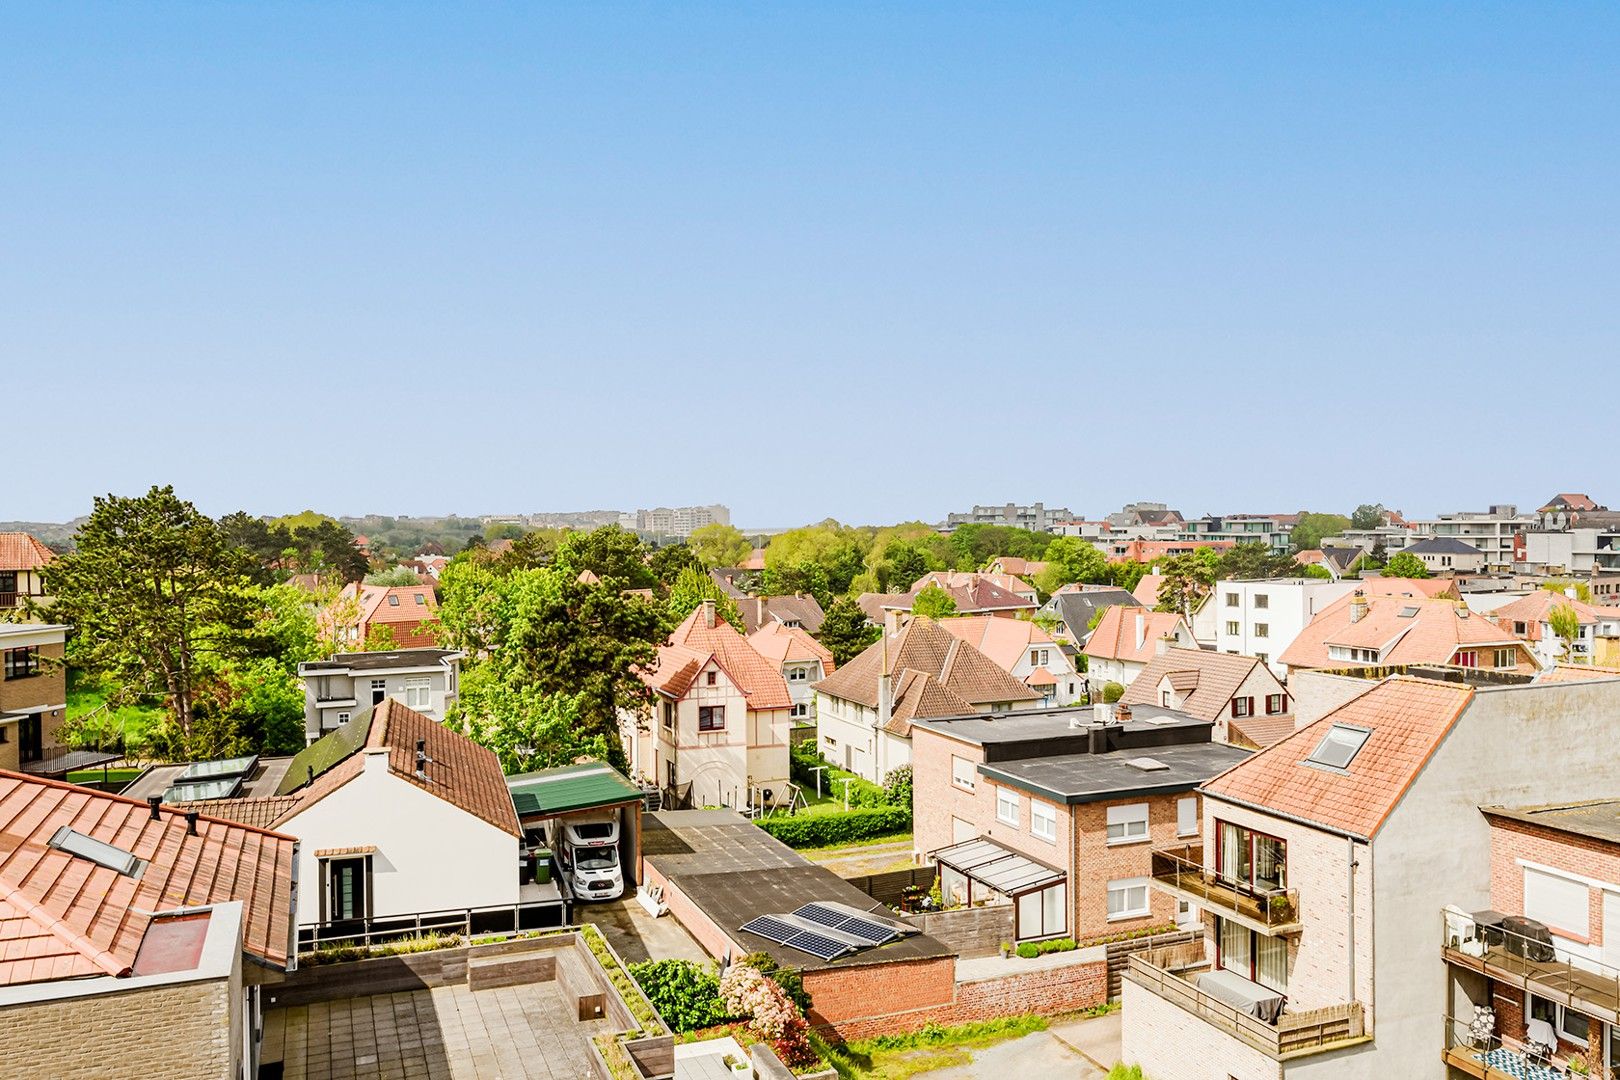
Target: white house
column 338, row 689
column 803, row 660
column 1262, row 618
column 1025, row 651
column 1126, row 639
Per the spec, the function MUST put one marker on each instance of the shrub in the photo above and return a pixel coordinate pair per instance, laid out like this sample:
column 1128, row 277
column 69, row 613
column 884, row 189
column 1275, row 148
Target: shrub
column 771, row 1014
column 804, row 757
column 686, row 995
column 1112, row 692
column 1122, row 1071
column 827, row 830
column 791, row 982
column 897, row 787
column 1029, row 950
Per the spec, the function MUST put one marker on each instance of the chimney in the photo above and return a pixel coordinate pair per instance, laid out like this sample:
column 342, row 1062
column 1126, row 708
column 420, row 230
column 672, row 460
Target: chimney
column 1358, row 606
column 375, row 759
column 1569, row 591
column 1162, row 646
column 891, row 621
column 1141, row 629
column 421, row 744
column 154, row 801
column 191, row 822
column 708, row 614
column 1123, row 714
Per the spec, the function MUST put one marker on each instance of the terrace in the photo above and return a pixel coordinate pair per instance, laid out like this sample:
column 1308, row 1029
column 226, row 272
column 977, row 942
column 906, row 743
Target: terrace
column 1181, row 873
column 1171, row 971
column 1532, row 965
column 1493, row 1058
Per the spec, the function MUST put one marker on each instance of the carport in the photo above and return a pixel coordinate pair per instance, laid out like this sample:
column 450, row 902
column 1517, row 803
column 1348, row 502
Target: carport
column 587, row 787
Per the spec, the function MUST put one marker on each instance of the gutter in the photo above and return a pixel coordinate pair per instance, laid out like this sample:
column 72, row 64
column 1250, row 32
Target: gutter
column 1297, row 820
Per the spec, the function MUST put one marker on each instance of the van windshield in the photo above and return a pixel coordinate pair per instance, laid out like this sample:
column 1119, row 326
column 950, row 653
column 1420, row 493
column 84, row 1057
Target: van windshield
column 593, row 830
column 602, row 858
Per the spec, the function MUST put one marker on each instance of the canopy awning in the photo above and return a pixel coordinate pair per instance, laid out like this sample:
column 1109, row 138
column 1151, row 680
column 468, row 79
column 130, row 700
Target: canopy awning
column 1002, row 869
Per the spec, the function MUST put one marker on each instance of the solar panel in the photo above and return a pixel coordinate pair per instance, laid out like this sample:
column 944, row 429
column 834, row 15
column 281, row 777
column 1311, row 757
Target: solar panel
column 867, row 930
column 821, row 946
column 213, row 770
column 768, row 926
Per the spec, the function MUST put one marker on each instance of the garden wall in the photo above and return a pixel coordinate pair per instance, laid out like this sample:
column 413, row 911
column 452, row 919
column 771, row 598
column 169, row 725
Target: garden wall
column 968, row 932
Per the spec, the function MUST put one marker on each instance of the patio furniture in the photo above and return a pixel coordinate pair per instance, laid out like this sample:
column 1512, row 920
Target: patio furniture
column 1246, row 996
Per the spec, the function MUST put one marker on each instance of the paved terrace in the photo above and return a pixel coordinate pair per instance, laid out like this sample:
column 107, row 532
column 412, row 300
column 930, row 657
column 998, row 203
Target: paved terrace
column 447, row 1033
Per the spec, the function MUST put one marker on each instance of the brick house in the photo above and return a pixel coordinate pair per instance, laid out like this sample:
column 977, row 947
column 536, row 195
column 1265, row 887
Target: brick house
column 1237, row 694
column 1057, row 812
column 135, row 934
column 33, row 698
column 409, row 614
column 1324, row 864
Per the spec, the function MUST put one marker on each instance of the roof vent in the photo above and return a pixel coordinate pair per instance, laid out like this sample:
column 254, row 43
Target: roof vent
column 191, row 822
column 154, row 801
column 1147, row 764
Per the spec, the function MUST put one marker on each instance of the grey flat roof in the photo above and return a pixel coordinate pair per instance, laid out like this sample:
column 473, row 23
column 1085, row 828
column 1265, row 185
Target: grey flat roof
column 1028, row 724
column 379, row 661
column 157, row 779
column 1081, row 778
column 1599, row 820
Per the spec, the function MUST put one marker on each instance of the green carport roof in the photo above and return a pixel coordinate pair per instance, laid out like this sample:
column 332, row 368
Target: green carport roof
column 569, row 788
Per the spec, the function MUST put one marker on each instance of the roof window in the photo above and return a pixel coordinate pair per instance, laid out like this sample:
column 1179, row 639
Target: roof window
column 1339, row 747
column 1409, row 611
column 393, row 601
column 97, row 851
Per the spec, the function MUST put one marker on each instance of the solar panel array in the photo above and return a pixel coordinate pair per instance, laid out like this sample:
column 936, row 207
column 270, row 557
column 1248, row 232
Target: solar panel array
column 868, row 930
column 827, row 931
column 821, row 946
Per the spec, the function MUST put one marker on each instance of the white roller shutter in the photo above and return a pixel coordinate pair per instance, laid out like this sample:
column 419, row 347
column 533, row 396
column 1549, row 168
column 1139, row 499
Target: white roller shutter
column 1556, row 901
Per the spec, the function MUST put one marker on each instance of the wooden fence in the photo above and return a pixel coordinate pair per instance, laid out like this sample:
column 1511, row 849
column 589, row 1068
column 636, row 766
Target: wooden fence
column 889, row 886
column 1119, row 954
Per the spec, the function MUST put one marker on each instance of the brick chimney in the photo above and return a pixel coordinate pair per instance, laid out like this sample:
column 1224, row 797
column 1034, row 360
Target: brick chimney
column 1358, row 606
column 708, row 614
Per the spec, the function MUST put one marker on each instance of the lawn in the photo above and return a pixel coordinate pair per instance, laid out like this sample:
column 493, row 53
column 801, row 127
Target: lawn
column 87, row 694
column 94, row 776
column 897, row 1057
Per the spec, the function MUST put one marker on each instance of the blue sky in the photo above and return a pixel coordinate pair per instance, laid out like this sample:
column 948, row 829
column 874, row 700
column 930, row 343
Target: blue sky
column 868, row 261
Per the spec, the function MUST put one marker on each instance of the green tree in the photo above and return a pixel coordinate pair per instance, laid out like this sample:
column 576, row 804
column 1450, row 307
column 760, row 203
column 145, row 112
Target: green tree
column 695, row 586
column 1187, row 580
column 1316, row 570
column 1127, row 574
column 1311, row 528
column 972, row 546
column 719, row 545
column 399, row 575
column 1566, row 624
column 846, row 631
column 1254, row 560
column 159, row 599
column 1404, row 564
column 527, row 729
column 933, row 602
column 1583, row 591
column 1367, row 516
column 1112, row 692
column 822, row 560
column 611, row 553
column 669, row 561
column 1070, row 559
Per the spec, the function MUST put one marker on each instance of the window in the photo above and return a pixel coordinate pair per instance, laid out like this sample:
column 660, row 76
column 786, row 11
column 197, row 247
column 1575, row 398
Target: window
column 379, row 684
column 1360, row 656
column 1262, row 657
column 1242, row 706
column 798, row 674
column 348, row 878
column 1128, row 899
column 421, row 601
column 343, row 718
column 1506, row 658
column 799, row 711
column 1187, row 816
column 1007, row 806
column 1254, row 956
column 962, row 773
column 1167, row 699
column 1339, row 747
column 1251, row 859
column 669, row 773
column 713, row 678
column 393, row 601
column 669, row 715
column 1233, row 629
column 419, row 693
column 1466, row 658
column 1128, row 824
column 1519, row 628
column 1042, row 820
column 97, row 851
column 1261, row 601
column 1044, row 913
column 1262, row 629
column 22, row 663
column 1231, row 601
column 1558, row 901
column 5, row 734
column 1276, row 704
column 1569, row 1024
column 711, row 718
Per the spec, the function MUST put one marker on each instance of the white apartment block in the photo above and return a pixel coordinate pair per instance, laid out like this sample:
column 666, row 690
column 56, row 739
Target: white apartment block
column 1262, row 618
column 1492, row 532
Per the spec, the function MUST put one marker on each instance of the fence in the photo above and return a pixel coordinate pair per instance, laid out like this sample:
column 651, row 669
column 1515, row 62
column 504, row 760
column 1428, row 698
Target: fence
column 968, row 932
column 504, row 919
column 889, row 887
column 1120, row 952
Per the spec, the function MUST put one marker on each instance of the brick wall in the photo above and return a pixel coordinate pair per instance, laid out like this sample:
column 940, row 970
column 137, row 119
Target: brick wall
column 878, row 992
column 1098, row 863
column 1172, row 1044
column 179, row 1032
column 935, row 799
column 1581, row 855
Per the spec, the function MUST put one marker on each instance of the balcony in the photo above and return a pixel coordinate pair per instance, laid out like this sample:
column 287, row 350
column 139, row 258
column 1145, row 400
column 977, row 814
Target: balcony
column 1586, row 986
column 1169, row 972
column 1489, row 1057
column 1181, row 873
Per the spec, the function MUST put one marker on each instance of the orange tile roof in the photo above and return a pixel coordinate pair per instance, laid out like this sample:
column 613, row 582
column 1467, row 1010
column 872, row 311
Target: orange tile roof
column 779, row 644
column 1209, row 679
column 262, row 812
column 970, row 579
column 760, row 681
column 1432, row 634
column 1536, row 608
column 1407, row 717
column 19, row 551
column 1259, row 731
column 62, row 916
column 412, row 623
column 1003, row 640
column 1115, row 635
column 1577, row 673
column 1395, row 586
column 923, row 646
column 1150, row 550
column 1147, row 590
column 1040, row 677
column 460, row 771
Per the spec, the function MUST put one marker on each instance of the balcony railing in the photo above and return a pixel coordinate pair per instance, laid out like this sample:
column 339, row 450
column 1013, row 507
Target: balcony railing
column 1168, row 973
column 1489, row 1057
column 1547, row 971
column 1181, row 871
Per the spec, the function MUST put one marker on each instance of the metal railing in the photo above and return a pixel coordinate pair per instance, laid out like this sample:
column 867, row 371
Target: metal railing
column 1164, row 972
column 1588, row 986
column 468, row 922
column 1490, row 1057
column 1182, row 869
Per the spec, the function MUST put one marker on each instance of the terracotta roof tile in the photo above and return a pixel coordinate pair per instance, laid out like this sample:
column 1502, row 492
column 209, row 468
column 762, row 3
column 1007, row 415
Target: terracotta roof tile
column 1406, row 630
column 1003, row 640
column 759, row 680
column 922, row 645
column 1115, row 635
column 20, row 551
column 1407, row 718
column 779, row 644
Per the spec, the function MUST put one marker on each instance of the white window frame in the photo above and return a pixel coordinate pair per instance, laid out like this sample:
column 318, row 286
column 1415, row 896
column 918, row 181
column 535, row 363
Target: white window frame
column 963, row 773
column 1126, row 886
column 800, row 710
column 1262, row 629
column 418, row 693
column 1042, row 821
column 1007, row 806
column 1131, row 822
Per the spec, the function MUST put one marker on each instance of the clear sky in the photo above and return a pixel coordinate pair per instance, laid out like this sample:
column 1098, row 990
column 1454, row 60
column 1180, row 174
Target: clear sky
column 862, row 260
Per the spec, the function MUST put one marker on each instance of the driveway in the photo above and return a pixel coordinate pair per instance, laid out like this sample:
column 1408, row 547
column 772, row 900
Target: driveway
column 1082, row 1049
column 637, row 936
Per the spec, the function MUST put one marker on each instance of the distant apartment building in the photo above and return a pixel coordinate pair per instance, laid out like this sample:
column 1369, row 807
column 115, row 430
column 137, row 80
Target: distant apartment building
column 1493, row 532
column 1275, row 531
column 680, row 520
column 339, row 689
column 1036, row 517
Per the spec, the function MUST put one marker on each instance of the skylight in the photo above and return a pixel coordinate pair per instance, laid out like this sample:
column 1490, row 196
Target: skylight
column 98, row 852
column 1408, row 611
column 1339, row 746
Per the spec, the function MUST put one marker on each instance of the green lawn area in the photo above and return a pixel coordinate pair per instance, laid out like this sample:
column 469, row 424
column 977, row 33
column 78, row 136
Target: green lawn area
column 897, row 1057
column 86, row 695
column 94, row 776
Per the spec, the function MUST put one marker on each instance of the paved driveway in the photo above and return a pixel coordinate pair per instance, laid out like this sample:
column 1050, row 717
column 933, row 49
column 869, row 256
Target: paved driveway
column 637, row 936
column 1076, row 1049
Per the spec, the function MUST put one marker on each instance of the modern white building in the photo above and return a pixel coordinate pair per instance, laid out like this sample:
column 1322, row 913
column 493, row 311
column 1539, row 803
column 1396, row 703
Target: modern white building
column 1262, row 618
column 1493, row 532
column 338, row 689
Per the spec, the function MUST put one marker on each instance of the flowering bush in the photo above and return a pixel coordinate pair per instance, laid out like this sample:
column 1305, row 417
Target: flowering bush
column 771, row 1014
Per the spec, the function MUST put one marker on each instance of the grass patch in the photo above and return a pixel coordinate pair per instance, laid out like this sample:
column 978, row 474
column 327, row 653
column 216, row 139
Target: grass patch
column 95, row 776
column 833, row 851
column 87, row 693
column 897, row 1057
column 634, row 1000
column 341, row 953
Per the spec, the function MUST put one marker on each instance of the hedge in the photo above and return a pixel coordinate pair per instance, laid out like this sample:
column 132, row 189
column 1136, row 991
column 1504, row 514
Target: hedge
column 826, row 830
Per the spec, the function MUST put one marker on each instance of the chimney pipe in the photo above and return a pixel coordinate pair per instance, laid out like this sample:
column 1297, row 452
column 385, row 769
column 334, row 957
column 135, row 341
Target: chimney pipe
column 1123, row 714
column 191, row 822
column 708, row 614
column 154, row 801
column 1162, row 646
column 422, row 758
column 1141, row 630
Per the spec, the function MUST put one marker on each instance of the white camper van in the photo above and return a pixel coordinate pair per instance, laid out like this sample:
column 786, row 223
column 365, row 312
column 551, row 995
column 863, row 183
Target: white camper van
column 588, row 850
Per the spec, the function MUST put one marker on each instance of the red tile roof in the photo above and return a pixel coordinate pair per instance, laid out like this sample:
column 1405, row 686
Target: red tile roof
column 1115, row 635
column 412, row 619
column 1147, row 590
column 1535, row 609
column 1145, row 551
column 696, row 641
column 63, row 916
column 1003, row 640
column 779, row 644
column 1407, row 717
column 1405, row 629
column 19, row 551
column 1205, row 680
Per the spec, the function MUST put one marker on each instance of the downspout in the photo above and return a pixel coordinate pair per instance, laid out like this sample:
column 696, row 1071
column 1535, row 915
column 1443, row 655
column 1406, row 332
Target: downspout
column 1350, row 918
